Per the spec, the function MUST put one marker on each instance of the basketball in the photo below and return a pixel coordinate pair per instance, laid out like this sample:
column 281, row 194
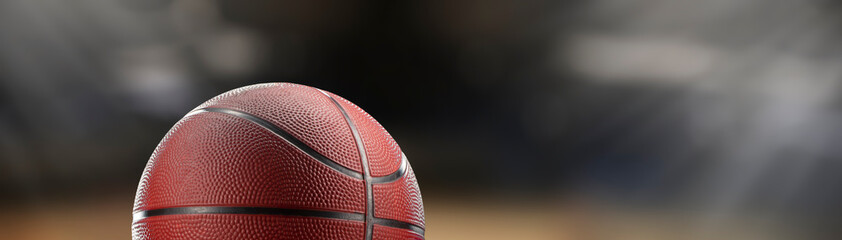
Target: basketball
column 278, row 161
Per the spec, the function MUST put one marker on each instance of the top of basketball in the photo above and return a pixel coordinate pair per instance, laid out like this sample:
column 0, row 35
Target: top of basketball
column 289, row 161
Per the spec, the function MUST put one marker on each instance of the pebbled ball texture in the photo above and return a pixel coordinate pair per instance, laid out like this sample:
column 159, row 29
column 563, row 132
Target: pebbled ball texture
column 209, row 226
column 386, row 233
column 384, row 155
column 400, row 200
column 216, row 159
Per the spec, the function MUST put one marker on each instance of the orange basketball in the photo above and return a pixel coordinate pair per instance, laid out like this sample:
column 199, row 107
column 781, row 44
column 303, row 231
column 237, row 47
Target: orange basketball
column 278, row 161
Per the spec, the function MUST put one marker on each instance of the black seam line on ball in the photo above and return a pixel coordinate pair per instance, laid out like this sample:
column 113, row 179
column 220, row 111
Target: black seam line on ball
column 398, row 174
column 140, row 215
column 287, row 137
column 246, row 210
column 399, row 224
column 369, row 195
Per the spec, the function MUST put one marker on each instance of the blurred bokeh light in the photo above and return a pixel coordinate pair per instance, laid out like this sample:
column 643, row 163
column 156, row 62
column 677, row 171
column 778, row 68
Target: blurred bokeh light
column 536, row 119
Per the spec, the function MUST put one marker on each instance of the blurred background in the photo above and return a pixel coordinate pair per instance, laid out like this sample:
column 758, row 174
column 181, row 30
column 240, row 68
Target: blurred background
column 534, row 119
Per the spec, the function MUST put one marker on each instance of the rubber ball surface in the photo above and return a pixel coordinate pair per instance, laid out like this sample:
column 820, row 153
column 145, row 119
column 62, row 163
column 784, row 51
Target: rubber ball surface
column 278, row 161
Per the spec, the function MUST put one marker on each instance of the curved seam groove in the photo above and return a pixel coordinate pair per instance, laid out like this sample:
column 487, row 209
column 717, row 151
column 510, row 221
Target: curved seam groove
column 247, row 211
column 369, row 193
column 394, row 176
column 286, row 137
column 140, row 215
column 399, row 224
